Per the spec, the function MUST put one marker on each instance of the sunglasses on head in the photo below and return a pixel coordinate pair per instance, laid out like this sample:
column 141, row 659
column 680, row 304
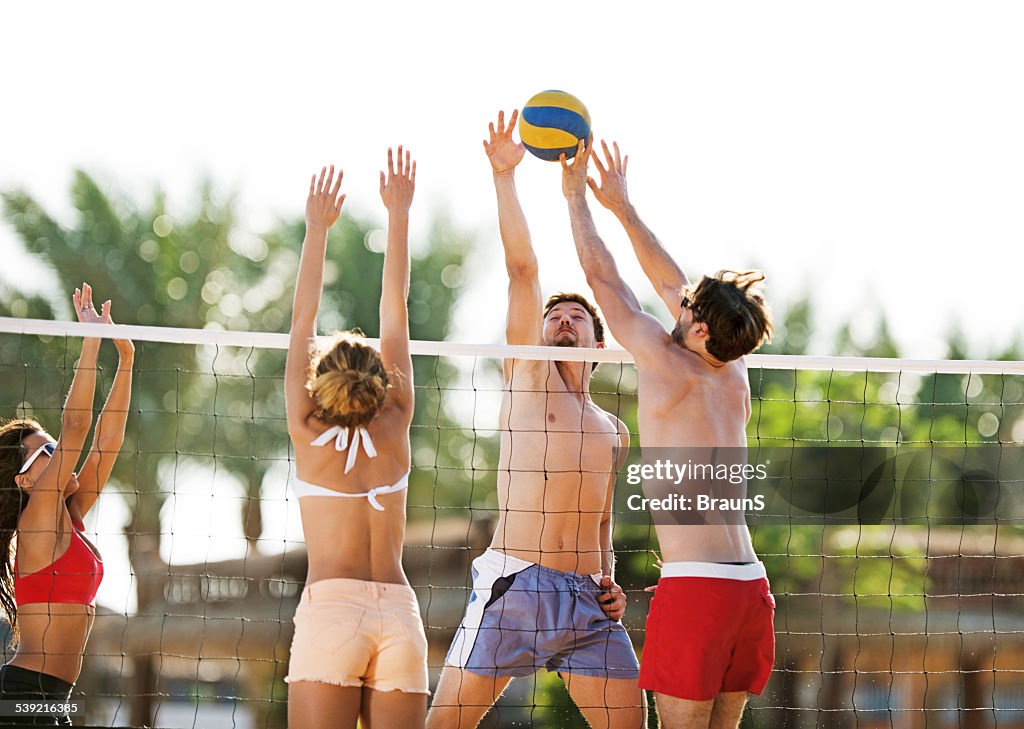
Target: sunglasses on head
column 47, row 448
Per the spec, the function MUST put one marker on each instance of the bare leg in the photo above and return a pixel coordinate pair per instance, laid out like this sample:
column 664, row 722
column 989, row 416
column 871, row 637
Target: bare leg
column 315, row 705
column 608, row 702
column 393, row 709
column 728, row 710
column 683, row 713
column 462, row 698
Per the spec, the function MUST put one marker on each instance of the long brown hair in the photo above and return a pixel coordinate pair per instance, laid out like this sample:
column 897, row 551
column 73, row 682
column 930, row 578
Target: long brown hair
column 13, row 500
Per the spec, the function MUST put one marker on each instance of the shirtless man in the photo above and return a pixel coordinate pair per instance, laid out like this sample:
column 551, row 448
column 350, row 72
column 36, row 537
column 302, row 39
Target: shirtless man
column 543, row 594
column 710, row 637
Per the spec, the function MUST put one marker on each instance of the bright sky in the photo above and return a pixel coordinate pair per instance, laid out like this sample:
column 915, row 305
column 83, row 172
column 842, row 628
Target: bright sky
column 870, row 151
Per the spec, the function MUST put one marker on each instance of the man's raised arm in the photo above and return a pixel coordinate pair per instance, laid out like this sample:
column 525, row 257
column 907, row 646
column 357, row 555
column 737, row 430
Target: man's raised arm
column 635, row 329
column 665, row 275
column 523, row 325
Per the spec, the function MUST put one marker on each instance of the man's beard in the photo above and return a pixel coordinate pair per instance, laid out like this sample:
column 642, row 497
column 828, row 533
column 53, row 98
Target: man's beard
column 679, row 335
column 559, row 341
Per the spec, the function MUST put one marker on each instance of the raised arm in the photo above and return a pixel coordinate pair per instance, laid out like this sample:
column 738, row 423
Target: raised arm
column 109, row 434
column 523, row 325
column 48, row 490
column 323, row 206
column 635, row 329
column 396, row 190
column 665, row 275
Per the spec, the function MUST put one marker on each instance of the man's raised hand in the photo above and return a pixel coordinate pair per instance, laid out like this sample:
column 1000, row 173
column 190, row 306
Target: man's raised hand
column 574, row 175
column 611, row 193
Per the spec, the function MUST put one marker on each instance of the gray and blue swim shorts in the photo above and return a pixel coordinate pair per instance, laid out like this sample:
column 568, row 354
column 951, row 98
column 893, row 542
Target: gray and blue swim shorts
column 522, row 617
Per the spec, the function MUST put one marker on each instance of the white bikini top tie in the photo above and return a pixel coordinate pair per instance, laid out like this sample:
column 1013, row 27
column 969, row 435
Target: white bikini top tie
column 341, row 442
column 340, row 435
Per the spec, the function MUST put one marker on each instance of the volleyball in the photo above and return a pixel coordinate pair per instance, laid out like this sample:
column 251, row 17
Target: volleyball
column 553, row 122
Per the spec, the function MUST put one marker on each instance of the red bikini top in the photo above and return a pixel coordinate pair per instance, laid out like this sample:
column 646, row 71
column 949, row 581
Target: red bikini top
column 73, row 578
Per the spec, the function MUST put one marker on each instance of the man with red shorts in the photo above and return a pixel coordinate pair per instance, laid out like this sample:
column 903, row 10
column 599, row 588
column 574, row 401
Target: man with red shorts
column 710, row 637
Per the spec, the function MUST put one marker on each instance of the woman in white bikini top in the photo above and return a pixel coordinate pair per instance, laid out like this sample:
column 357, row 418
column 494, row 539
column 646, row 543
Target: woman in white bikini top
column 349, row 410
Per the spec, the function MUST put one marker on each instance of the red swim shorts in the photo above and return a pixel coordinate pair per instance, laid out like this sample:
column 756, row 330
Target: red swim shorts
column 710, row 630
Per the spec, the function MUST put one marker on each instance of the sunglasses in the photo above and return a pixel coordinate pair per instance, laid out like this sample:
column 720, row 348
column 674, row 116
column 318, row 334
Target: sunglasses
column 687, row 303
column 47, row 448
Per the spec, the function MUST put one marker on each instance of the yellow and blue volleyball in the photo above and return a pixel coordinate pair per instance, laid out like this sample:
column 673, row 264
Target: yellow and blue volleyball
column 552, row 123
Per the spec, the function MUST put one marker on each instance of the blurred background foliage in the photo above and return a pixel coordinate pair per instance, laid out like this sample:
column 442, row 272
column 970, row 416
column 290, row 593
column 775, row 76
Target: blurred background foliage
column 199, row 268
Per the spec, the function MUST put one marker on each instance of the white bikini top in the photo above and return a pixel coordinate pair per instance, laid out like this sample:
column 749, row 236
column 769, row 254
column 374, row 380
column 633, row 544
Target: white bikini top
column 304, row 488
column 341, row 442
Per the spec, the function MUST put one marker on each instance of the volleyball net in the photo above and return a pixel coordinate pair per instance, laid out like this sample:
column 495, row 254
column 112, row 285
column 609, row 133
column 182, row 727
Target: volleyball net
column 899, row 606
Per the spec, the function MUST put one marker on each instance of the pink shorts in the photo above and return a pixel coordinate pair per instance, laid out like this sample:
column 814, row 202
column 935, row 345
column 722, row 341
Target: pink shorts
column 710, row 630
column 357, row 633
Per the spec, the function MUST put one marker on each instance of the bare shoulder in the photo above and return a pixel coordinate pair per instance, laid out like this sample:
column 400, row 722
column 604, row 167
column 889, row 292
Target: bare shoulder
column 621, row 428
column 668, row 361
column 740, row 372
column 305, row 430
column 622, row 431
column 400, row 403
column 650, row 342
column 394, row 416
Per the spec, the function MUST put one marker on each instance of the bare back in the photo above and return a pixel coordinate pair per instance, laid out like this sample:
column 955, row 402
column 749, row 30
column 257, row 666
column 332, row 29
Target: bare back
column 556, row 457
column 686, row 403
column 347, row 537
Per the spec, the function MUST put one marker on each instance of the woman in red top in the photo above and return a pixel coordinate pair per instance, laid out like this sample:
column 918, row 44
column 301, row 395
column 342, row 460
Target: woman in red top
column 48, row 589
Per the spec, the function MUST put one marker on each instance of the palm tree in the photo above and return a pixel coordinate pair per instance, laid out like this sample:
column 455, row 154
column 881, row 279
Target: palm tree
column 215, row 405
